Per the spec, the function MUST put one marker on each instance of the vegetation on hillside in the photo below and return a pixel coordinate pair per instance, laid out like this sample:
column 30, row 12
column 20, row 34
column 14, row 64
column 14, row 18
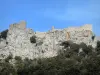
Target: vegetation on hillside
column 3, row 34
column 74, row 59
column 33, row 39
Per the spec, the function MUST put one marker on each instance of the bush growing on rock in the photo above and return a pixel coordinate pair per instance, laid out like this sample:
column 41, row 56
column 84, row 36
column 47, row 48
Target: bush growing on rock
column 93, row 37
column 18, row 58
column 98, row 46
column 65, row 44
column 33, row 39
column 4, row 34
column 8, row 58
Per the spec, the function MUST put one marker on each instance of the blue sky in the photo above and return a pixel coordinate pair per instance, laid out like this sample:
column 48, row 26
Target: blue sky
column 41, row 15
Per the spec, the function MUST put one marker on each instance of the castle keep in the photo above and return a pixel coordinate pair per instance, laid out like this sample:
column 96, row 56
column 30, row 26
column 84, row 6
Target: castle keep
column 85, row 31
column 80, row 34
column 46, row 44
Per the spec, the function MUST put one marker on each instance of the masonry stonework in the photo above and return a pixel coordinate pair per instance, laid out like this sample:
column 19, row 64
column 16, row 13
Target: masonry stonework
column 20, row 25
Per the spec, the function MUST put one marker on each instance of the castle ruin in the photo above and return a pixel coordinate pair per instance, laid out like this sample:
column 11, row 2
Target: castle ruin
column 47, row 43
column 20, row 25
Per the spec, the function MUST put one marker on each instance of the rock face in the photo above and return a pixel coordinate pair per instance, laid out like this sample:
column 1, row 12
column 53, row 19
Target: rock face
column 47, row 43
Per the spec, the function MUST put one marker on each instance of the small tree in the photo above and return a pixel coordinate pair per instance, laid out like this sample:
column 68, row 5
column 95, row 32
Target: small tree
column 65, row 44
column 84, row 47
column 8, row 58
column 93, row 37
column 74, row 47
column 98, row 46
column 33, row 39
column 18, row 58
column 19, row 65
column 4, row 34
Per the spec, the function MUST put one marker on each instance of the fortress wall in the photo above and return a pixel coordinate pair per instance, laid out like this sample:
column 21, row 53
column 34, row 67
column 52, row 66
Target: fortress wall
column 84, row 27
column 79, row 32
column 40, row 34
column 19, row 40
column 20, row 25
column 87, row 27
column 72, row 29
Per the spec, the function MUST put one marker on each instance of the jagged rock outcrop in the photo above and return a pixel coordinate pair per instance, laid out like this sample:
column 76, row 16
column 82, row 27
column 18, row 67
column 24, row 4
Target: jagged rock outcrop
column 47, row 44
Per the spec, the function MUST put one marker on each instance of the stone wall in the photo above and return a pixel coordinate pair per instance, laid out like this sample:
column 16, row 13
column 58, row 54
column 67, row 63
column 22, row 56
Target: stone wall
column 81, row 28
column 20, row 25
column 87, row 27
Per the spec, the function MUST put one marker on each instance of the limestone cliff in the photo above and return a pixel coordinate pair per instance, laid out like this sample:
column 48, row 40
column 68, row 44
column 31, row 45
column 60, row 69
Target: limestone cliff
column 47, row 44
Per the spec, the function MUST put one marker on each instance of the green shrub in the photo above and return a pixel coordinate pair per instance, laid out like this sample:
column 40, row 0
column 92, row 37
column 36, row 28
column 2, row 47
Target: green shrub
column 74, row 47
column 33, row 39
column 8, row 58
column 65, row 44
column 93, row 37
column 4, row 34
column 98, row 46
column 84, row 47
column 18, row 58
